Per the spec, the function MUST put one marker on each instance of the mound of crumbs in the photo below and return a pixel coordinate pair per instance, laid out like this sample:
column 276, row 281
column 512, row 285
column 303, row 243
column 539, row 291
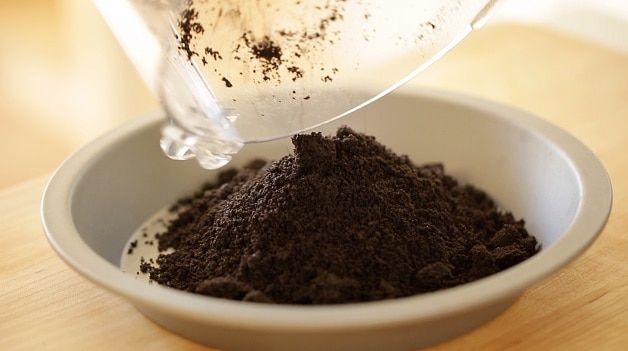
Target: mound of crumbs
column 343, row 219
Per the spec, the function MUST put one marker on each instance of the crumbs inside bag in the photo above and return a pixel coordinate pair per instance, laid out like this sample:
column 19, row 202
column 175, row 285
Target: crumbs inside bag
column 343, row 219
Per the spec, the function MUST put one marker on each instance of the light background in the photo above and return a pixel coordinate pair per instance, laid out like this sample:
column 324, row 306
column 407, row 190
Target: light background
column 64, row 80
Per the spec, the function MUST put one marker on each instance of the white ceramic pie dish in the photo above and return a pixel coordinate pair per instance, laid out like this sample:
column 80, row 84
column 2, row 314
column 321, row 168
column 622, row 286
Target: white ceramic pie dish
column 105, row 191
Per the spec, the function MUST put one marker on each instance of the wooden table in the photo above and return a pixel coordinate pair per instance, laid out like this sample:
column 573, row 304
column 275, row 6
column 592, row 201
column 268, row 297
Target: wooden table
column 44, row 305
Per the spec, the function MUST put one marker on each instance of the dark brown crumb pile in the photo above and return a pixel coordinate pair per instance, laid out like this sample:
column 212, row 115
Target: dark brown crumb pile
column 343, row 219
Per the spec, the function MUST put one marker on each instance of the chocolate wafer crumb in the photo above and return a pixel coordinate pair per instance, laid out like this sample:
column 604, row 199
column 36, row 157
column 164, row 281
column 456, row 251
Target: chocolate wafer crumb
column 343, row 219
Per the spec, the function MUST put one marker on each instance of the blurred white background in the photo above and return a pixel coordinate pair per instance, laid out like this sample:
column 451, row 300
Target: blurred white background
column 64, row 80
